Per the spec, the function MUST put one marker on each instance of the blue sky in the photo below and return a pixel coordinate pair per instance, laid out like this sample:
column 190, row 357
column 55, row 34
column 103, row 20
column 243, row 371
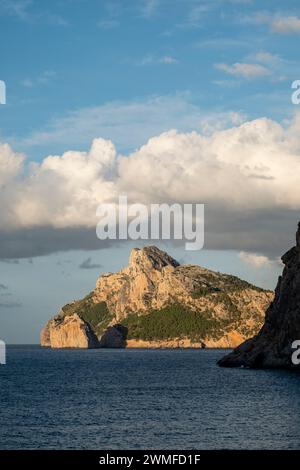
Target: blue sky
column 64, row 57
column 127, row 71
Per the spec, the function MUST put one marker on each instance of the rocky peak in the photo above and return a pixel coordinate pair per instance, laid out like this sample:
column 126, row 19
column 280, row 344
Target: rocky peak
column 150, row 257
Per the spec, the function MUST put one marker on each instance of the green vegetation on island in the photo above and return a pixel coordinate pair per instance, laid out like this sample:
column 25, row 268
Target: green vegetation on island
column 174, row 321
column 96, row 314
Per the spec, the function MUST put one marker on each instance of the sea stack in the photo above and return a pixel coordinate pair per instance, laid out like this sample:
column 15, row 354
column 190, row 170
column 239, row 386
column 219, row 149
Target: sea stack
column 272, row 347
column 68, row 332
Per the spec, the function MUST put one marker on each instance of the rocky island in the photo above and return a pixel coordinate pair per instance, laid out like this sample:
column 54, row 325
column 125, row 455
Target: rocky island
column 272, row 346
column 156, row 302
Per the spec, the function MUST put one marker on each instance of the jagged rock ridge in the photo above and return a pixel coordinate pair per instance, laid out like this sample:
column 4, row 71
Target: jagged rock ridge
column 156, row 302
column 272, row 347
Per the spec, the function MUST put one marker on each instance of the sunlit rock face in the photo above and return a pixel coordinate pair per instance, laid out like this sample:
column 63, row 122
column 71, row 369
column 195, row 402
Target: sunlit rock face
column 69, row 332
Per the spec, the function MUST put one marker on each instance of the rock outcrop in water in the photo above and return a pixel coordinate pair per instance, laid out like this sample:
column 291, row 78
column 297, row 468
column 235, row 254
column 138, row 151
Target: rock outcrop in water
column 156, row 302
column 69, row 332
column 272, row 347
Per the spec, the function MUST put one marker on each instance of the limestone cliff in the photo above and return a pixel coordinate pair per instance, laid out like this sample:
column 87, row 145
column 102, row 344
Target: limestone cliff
column 272, row 347
column 68, row 332
column 143, row 285
column 156, row 302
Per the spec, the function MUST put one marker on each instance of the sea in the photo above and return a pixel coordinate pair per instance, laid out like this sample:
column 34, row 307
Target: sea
column 143, row 399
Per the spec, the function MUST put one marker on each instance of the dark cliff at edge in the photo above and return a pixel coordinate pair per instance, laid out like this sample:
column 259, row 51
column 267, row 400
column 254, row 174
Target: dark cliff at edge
column 272, row 347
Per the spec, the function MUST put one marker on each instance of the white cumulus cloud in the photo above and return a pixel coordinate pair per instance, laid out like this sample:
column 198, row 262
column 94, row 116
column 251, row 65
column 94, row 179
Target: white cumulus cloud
column 245, row 70
column 255, row 260
column 251, row 168
column 286, row 25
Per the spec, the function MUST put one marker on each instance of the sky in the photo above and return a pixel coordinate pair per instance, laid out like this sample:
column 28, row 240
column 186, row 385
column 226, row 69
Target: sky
column 162, row 100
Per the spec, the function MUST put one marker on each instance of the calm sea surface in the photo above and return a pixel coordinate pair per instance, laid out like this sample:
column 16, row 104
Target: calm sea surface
column 131, row 399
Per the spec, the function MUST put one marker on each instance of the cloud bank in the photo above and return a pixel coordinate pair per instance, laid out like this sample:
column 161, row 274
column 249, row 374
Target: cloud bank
column 247, row 176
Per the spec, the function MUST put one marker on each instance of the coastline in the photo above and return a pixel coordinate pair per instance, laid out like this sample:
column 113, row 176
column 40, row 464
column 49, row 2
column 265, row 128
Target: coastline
column 232, row 340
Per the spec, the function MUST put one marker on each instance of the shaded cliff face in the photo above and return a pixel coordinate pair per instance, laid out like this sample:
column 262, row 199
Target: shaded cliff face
column 157, row 302
column 272, row 347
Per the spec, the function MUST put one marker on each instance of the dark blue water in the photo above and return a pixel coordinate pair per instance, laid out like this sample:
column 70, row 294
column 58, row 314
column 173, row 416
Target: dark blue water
column 131, row 399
